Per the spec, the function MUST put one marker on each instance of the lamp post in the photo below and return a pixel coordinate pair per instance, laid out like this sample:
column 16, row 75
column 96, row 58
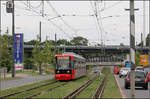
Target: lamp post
column 10, row 8
column 13, row 33
column 0, row 44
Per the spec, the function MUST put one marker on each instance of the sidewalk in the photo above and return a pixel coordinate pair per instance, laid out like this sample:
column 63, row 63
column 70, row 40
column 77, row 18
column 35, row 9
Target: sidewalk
column 23, row 81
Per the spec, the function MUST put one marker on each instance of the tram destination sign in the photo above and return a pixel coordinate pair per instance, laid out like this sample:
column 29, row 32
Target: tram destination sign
column 63, row 57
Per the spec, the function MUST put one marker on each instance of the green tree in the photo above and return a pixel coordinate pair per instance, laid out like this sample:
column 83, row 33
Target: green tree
column 63, row 42
column 49, row 41
column 5, row 52
column 28, row 61
column 36, row 52
column 32, row 42
column 47, row 55
column 79, row 41
column 137, row 58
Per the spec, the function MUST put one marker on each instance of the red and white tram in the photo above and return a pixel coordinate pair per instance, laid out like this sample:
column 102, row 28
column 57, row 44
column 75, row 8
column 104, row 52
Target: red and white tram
column 69, row 66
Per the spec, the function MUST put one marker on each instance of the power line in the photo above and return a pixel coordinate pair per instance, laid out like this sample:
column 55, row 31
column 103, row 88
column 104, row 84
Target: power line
column 112, row 5
column 96, row 19
column 32, row 9
column 100, row 20
column 62, row 18
column 35, row 7
column 42, row 8
column 60, row 29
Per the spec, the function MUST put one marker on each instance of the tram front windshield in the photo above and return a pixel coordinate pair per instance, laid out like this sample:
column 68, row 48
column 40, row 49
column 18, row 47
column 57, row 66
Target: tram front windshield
column 62, row 63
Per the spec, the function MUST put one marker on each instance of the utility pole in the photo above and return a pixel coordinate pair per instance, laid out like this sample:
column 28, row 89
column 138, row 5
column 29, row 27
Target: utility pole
column 40, row 67
column 132, row 46
column 55, row 43
column 144, row 28
column 141, row 42
column 55, row 39
column 13, row 33
column 149, row 25
column 42, row 8
column 10, row 8
column 46, row 38
column 0, row 35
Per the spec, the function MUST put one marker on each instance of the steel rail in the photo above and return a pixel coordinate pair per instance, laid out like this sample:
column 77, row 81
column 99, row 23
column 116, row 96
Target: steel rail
column 15, row 93
column 99, row 91
column 77, row 91
column 50, row 89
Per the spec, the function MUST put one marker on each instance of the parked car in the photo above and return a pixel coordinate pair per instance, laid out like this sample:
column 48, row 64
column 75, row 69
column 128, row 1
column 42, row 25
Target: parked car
column 116, row 70
column 123, row 72
column 141, row 80
column 148, row 75
column 139, row 68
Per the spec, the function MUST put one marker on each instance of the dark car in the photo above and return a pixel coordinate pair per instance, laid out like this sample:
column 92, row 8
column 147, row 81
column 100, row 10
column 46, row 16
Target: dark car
column 141, row 79
column 139, row 68
column 148, row 75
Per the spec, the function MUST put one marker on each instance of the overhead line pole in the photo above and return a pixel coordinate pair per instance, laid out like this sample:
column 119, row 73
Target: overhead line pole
column 55, row 43
column 40, row 67
column 144, row 28
column 13, row 33
column 149, row 23
column 132, row 47
column 141, row 42
column 0, row 45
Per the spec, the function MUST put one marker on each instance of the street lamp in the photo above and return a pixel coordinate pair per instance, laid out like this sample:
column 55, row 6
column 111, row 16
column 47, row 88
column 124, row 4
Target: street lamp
column 11, row 9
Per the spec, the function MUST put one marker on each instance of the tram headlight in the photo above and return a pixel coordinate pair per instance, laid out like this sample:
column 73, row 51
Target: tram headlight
column 68, row 71
column 58, row 71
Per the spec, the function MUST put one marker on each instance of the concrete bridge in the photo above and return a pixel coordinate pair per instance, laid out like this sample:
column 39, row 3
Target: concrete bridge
column 94, row 49
column 105, row 63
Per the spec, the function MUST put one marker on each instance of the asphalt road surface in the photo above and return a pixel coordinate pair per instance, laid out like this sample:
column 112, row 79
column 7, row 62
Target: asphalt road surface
column 24, row 81
column 139, row 91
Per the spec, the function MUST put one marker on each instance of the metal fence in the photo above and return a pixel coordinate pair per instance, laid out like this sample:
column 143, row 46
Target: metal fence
column 105, row 59
column 3, row 72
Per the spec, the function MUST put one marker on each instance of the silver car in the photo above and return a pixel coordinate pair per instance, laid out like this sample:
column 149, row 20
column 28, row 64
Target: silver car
column 123, row 72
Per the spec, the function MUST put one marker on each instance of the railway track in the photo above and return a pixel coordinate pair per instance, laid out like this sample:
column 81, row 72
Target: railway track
column 99, row 91
column 41, row 92
column 22, row 91
column 73, row 94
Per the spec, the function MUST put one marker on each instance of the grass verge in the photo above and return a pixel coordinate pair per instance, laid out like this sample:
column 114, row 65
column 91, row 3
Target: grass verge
column 65, row 90
column 111, row 88
column 12, row 90
column 90, row 90
column 31, row 92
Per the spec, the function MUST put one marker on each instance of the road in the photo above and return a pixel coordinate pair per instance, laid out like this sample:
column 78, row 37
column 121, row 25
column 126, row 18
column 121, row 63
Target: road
column 24, row 81
column 139, row 91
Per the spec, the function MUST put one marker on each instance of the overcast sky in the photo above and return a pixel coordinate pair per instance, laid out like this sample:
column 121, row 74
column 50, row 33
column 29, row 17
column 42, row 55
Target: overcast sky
column 115, row 28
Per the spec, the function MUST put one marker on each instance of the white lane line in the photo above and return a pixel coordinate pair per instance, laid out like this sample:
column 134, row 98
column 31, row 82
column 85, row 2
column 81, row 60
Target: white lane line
column 121, row 90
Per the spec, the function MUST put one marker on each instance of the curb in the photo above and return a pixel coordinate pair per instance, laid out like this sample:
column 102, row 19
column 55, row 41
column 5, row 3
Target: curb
column 122, row 92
